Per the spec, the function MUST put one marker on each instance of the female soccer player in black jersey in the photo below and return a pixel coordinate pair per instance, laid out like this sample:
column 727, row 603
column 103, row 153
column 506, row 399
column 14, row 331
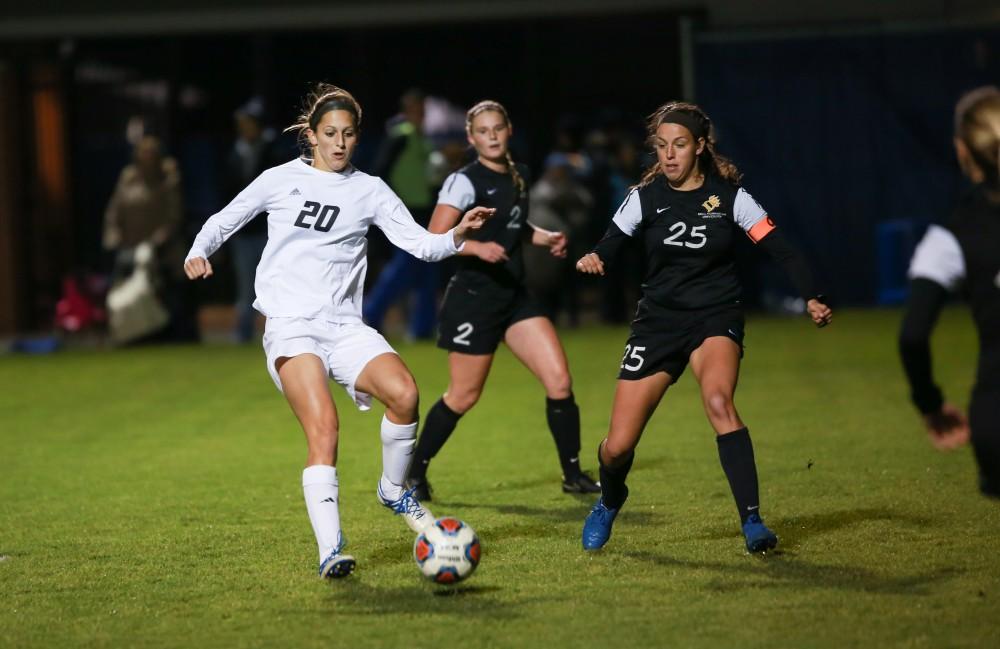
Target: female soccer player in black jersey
column 689, row 208
column 966, row 253
column 486, row 301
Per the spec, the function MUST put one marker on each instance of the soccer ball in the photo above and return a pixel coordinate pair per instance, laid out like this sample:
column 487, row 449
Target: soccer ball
column 448, row 551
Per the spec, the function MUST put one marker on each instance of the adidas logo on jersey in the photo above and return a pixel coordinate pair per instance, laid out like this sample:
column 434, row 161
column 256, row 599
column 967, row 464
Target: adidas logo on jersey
column 295, row 192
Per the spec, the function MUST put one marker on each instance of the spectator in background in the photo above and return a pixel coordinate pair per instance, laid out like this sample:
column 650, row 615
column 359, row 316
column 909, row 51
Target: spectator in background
column 252, row 153
column 558, row 202
column 403, row 162
column 145, row 213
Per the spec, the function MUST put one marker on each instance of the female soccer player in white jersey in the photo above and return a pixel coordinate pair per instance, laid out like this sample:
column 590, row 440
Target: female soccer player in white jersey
column 486, row 301
column 963, row 254
column 309, row 285
column 689, row 208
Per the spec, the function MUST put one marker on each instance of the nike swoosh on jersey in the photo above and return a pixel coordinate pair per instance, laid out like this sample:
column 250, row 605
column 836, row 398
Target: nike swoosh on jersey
column 490, row 192
column 663, row 209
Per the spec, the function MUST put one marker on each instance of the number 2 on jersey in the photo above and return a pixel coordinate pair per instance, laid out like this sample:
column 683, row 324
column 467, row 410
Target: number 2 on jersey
column 515, row 218
column 698, row 237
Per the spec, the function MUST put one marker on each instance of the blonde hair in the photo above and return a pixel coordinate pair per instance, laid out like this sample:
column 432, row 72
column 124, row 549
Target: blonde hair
column 710, row 161
column 323, row 98
column 977, row 124
column 497, row 107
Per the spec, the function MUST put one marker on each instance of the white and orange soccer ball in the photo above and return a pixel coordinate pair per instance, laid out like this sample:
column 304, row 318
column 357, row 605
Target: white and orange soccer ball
column 448, row 551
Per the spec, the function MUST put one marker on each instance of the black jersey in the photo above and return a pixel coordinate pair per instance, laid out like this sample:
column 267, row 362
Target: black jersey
column 689, row 238
column 476, row 185
column 964, row 255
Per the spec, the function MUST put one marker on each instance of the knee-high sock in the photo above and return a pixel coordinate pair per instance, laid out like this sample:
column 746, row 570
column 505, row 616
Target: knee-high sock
column 613, row 489
column 563, row 416
column 736, row 455
column 322, row 494
column 397, row 449
column 438, row 426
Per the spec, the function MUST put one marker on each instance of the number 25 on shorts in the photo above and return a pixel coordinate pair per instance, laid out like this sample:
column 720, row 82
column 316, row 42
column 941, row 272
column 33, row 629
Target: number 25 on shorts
column 632, row 354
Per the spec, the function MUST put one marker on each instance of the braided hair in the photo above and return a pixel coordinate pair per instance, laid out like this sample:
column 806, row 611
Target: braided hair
column 710, row 161
column 497, row 107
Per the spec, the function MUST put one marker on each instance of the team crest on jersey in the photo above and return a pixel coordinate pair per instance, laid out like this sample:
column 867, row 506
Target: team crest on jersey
column 710, row 206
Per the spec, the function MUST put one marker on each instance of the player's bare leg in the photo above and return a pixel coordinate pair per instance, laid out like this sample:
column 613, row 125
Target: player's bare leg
column 304, row 383
column 534, row 342
column 467, row 376
column 716, row 366
column 388, row 379
column 635, row 402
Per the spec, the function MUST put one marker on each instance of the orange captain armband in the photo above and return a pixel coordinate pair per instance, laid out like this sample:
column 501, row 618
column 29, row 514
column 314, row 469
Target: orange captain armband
column 761, row 229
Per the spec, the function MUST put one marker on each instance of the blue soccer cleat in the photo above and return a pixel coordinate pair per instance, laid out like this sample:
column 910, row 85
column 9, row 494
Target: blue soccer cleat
column 759, row 537
column 597, row 527
column 337, row 565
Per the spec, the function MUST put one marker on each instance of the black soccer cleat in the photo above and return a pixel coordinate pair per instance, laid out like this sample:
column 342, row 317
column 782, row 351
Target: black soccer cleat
column 421, row 488
column 580, row 484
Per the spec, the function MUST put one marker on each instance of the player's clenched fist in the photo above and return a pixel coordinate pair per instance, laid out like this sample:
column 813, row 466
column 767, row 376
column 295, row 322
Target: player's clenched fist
column 590, row 264
column 820, row 313
column 198, row 268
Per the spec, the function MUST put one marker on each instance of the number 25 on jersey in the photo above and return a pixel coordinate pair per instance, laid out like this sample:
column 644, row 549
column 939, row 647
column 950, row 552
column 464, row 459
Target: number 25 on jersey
column 696, row 238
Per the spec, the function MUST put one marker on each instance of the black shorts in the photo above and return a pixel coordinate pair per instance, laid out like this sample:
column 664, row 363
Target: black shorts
column 662, row 340
column 474, row 320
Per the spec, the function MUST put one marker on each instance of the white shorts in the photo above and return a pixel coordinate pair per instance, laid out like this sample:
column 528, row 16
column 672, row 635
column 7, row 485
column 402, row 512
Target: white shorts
column 345, row 349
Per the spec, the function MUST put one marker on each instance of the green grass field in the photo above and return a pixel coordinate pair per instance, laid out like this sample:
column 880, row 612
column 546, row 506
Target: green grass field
column 151, row 498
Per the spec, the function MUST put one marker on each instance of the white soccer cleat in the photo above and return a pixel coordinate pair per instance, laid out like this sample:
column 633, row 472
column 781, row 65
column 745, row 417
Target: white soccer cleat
column 337, row 564
column 417, row 517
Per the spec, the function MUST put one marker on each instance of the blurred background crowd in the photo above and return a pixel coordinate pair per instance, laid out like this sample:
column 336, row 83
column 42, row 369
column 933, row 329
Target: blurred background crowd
column 123, row 128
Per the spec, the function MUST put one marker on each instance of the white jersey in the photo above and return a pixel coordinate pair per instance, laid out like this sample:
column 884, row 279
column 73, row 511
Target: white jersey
column 315, row 261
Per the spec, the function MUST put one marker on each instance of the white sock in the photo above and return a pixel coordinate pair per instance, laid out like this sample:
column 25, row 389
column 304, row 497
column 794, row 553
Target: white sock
column 322, row 494
column 397, row 449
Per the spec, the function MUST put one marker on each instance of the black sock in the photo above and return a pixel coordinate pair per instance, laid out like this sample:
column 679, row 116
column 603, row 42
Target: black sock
column 736, row 455
column 564, row 424
column 613, row 489
column 438, row 425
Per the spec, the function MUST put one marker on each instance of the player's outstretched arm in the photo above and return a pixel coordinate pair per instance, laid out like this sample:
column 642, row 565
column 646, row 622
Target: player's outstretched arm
column 472, row 220
column 590, row 264
column 446, row 216
column 198, row 268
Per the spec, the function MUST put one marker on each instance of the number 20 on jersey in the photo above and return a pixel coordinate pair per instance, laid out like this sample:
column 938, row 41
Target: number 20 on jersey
column 316, row 216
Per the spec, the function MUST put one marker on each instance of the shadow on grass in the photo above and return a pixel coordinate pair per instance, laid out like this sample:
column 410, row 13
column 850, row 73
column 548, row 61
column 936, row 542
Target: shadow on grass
column 357, row 597
column 574, row 512
column 785, row 570
column 793, row 530
column 552, row 481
